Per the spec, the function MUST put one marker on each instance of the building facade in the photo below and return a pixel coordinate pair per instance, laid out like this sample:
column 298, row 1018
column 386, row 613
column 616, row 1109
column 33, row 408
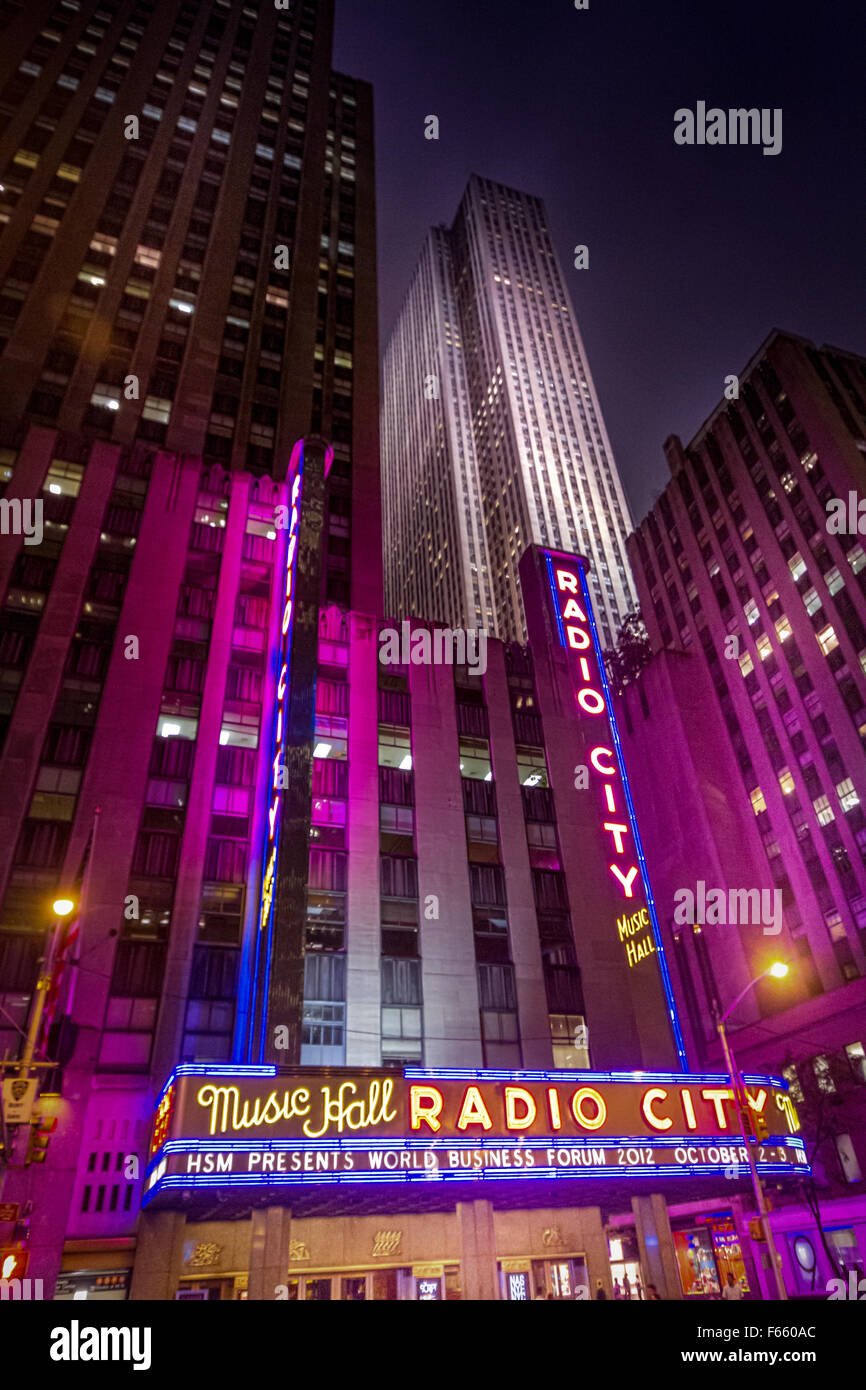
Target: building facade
column 752, row 588
column 187, row 254
column 460, row 911
column 492, row 434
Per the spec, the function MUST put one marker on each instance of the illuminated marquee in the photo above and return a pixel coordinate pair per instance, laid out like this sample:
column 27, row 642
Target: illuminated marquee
column 636, row 924
column 241, row 1127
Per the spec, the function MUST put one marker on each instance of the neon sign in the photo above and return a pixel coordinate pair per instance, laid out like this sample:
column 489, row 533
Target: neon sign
column 637, row 926
column 258, row 951
column 267, row 1126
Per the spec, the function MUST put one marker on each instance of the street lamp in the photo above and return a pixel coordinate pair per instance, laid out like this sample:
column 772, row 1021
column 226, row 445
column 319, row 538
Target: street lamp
column 778, row 970
column 62, row 908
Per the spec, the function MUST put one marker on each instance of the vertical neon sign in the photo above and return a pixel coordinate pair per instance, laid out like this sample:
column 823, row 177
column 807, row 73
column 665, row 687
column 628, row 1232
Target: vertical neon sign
column 577, row 629
column 261, row 946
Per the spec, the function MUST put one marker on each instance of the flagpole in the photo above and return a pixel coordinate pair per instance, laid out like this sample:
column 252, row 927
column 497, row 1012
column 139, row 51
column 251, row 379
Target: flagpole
column 61, row 946
column 85, row 889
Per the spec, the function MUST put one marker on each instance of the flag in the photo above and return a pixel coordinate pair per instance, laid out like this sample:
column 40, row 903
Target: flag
column 66, row 944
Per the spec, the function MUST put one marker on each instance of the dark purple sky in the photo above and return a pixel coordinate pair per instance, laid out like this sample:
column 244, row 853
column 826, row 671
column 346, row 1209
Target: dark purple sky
column 695, row 253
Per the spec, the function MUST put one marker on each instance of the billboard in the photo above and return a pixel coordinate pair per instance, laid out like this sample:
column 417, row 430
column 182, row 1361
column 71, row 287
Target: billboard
column 271, row 1127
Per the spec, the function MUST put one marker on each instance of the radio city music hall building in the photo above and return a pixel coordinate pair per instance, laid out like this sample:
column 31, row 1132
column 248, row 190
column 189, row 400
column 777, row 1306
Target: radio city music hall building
column 370, row 981
column 301, row 857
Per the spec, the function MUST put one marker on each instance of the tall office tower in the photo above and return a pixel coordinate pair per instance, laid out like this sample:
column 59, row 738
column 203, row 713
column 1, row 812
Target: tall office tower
column 754, row 705
column 187, row 255
column 187, row 286
column 492, row 433
column 741, row 565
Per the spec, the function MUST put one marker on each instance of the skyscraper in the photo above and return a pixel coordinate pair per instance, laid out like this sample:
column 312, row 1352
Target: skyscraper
column 741, row 567
column 751, row 571
column 188, row 287
column 188, row 244
column 492, row 432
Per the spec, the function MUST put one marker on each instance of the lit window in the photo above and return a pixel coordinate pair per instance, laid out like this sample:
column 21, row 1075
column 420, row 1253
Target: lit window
column 812, row 601
column 331, row 747
column 827, row 639
column 171, row 726
column 834, row 580
column 531, row 767
column 106, row 396
column 823, row 810
column 848, row 797
column 795, row 1090
column 158, row 409
column 857, row 1057
column 797, row 566
column 857, row 558
column 764, row 648
column 786, row 781
column 824, row 1075
column 783, row 629
column 146, row 255
column 757, row 799
column 746, row 664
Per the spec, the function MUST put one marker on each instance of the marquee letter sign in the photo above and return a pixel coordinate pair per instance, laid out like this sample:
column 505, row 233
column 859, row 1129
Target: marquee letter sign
column 636, row 923
column 269, row 1127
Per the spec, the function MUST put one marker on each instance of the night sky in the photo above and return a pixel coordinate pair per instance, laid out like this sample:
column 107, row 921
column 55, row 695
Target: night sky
column 695, row 253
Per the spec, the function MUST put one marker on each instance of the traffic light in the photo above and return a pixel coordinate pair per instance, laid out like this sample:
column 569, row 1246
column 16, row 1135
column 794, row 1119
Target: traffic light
column 13, row 1262
column 41, row 1130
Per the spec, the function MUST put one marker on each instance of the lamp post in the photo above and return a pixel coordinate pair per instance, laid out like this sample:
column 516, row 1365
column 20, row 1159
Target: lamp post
column 62, row 909
column 778, row 970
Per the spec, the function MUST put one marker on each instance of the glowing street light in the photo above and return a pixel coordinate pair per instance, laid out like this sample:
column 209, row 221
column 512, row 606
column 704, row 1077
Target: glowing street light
column 778, row 970
column 63, row 907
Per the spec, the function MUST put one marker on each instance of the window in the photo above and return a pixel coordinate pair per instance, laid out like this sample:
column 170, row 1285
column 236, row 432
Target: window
column 757, row 799
column 824, row 1075
column 812, row 601
column 500, row 1038
column 531, row 766
column 856, row 1055
column 794, row 1087
column 786, row 781
column 823, row 810
column 570, row 1040
column 482, row 829
column 474, row 756
column 827, row 639
column 397, row 820
column 395, row 747
column 398, row 877
column 848, row 797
